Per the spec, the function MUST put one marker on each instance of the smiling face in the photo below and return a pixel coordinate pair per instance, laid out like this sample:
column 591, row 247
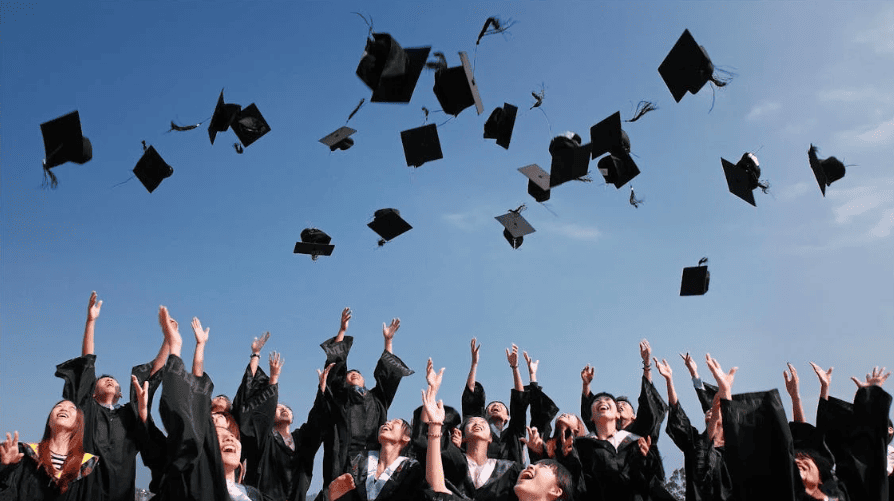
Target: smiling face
column 810, row 474
column 230, row 449
column 496, row 411
column 107, row 389
column 570, row 425
column 537, row 481
column 626, row 412
column 64, row 416
column 394, row 431
column 476, row 429
column 283, row 414
column 604, row 407
column 354, row 378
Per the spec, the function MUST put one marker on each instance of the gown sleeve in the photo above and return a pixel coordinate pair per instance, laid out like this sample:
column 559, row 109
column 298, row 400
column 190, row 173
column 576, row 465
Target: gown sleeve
column 473, row 401
column 79, row 375
column 388, row 373
column 543, row 410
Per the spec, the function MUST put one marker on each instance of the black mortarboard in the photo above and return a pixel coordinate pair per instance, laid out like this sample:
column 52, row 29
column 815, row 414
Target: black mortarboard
column 390, row 70
column 538, row 182
column 618, row 169
column 223, row 116
column 151, row 170
column 687, row 67
column 64, row 142
column 421, row 145
column 827, row 170
column 500, row 123
column 388, row 224
column 806, row 437
column 608, row 137
column 516, row 227
column 742, row 177
column 570, row 159
column 249, row 125
column 314, row 242
column 340, row 139
column 455, row 88
column 695, row 280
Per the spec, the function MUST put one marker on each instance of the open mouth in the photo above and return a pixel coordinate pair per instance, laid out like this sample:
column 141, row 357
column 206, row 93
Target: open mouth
column 526, row 474
column 229, row 448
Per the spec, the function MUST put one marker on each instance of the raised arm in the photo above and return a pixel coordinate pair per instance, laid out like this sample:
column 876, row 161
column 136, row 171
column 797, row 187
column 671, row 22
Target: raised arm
column 388, row 332
column 142, row 394
column 512, row 358
column 276, row 363
column 171, row 330
column 473, row 370
column 825, row 379
column 433, row 415
column 724, row 379
column 198, row 359
column 665, row 370
column 645, row 351
column 586, row 376
column 257, row 345
column 343, row 327
column 532, row 367
column 92, row 314
column 876, row 378
column 791, row 386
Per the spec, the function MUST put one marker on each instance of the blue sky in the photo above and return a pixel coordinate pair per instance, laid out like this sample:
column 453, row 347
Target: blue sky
column 798, row 278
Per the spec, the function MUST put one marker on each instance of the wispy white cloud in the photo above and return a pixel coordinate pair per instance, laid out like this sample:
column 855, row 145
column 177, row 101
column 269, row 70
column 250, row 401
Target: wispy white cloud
column 762, row 109
column 879, row 135
column 853, row 95
column 878, row 33
column 883, row 228
column 577, row 232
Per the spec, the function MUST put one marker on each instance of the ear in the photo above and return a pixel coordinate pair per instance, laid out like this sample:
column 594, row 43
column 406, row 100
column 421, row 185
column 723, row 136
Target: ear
column 555, row 492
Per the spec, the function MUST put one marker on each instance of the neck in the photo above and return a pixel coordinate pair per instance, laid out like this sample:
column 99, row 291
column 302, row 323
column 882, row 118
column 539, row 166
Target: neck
column 59, row 443
column 498, row 422
column 477, row 450
column 107, row 401
column 283, row 428
column 230, row 473
column 606, row 429
column 388, row 454
column 625, row 423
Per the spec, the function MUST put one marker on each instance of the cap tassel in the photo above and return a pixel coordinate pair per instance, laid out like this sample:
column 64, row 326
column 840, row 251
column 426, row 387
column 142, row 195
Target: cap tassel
column 539, row 97
column 641, row 109
column 702, row 261
column 53, row 181
column 181, row 128
column 238, row 147
column 439, row 64
column 356, row 109
column 633, row 200
column 492, row 26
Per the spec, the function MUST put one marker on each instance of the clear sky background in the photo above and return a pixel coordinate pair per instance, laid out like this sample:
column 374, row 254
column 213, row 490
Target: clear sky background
column 798, row 278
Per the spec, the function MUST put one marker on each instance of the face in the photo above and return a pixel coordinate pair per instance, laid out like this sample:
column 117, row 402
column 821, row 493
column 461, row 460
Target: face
column 626, row 411
column 107, row 387
column 393, row 431
column 477, row 428
column 498, row 411
column 809, row 472
column 220, row 403
column 219, row 420
column 283, row 414
column 230, row 448
column 604, row 407
column 354, row 378
column 569, row 424
column 63, row 416
column 535, row 480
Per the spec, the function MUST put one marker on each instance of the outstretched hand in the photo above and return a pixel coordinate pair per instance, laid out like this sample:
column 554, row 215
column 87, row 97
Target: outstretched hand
column 201, row 335
column 724, row 379
column 342, row 485
column 791, row 382
column 323, row 375
column 433, row 378
column 389, row 330
column 664, row 368
column 169, row 327
column 532, row 364
column 142, row 392
column 345, row 318
column 587, row 374
column 512, row 356
column 690, row 364
column 534, row 440
column 276, row 363
column 645, row 351
column 876, row 378
column 93, row 308
column 432, row 411
column 258, row 343
column 475, row 348
column 9, row 450
column 645, row 443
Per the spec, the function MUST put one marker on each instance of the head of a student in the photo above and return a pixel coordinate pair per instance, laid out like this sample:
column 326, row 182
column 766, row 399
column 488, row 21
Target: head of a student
column 396, row 431
column 497, row 411
column 65, row 419
column 813, row 467
column 221, row 403
column 604, row 410
column 476, row 429
column 354, row 378
column 107, row 390
column 626, row 411
column 569, row 425
column 545, row 480
column 283, row 415
column 228, row 440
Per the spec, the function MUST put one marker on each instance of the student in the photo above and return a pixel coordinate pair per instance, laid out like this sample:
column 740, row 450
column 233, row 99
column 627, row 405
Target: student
column 57, row 468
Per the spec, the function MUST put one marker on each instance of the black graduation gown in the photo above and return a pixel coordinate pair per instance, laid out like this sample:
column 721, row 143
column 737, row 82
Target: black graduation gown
column 706, row 475
column 758, row 450
column 857, row 435
column 116, row 435
column 604, row 473
column 406, row 482
column 275, row 469
column 154, row 450
column 499, row 487
column 356, row 416
column 505, row 445
column 25, row 480
column 195, row 470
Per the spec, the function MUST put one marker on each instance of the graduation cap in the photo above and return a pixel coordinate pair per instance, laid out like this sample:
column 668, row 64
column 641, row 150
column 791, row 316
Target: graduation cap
column 687, row 67
column 743, row 177
column 827, row 170
column 64, row 142
column 223, row 116
column 421, row 145
column 389, row 70
column 570, row 159
column 608, row 137
column 340, row 139
column 314, row 242
column 388, row 224
column 538, row 182
column 249, row 125
column 695, row 279
column 455, row 88
column 151, row 170
column 618, row 169
column 516, row 227
column 500, row 123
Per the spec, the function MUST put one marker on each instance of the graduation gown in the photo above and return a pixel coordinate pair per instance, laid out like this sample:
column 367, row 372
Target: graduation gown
column 154, row 450
column 605, row 473
column 498, row 487
column 406, row 482
column 356, row 415
column 272, row 466
column 857, row 435
column 25, row 480
column 706, row 475
column 116, row 435
column 505, row 444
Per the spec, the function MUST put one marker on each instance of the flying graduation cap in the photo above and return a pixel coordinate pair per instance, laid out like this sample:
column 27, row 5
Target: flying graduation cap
column 64, row 142
column 500, row 123
column 314, row 242
column 456, row 89
column 224, row 114
column 421, row 145
column 388, row 224
column 695, row 279
column 743, row 177
column 570, row 159
column 607, row 136
column 151, row 170
column 515, row 227
column 389, row 70
column 538, row 182
column 687, row 68
column 249, row 125
column 340, row 139
column 826, row 171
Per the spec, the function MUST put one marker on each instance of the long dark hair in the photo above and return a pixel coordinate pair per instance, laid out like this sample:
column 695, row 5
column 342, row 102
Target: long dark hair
column 72, row 465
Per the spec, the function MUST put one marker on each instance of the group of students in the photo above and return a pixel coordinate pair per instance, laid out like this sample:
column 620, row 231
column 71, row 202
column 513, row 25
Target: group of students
column 217, row 449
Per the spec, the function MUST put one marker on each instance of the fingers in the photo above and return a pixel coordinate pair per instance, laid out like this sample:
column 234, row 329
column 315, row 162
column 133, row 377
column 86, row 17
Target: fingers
column 857, row 382
column 785, row 376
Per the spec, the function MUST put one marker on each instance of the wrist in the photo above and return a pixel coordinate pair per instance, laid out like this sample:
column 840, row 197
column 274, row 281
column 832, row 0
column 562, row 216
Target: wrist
column 254, row 355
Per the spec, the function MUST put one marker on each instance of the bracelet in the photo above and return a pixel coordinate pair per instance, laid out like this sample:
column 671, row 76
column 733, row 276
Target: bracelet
column 514, row 366
column 435, row 435
column 647, row 366
column 436, row 424
column 253, row 355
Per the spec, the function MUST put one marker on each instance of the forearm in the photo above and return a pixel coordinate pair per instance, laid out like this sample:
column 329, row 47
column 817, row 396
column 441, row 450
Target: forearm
column 253, row 363
column 341, row 335
column 585, row 388
column 198, row 360
column 824, row 392
column 470, row 382
column 647, row 371
column 88, row 346
column 389, row 345
column 798, row 410
column 516, row 379
column 160, row 359
column 671, row 392
column 434, row 469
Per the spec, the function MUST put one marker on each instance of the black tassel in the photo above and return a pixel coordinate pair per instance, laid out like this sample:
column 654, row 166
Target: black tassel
column 356, row 109
column 641, row 109
column 238, row 148
column 497, row 27
column 182, row 127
